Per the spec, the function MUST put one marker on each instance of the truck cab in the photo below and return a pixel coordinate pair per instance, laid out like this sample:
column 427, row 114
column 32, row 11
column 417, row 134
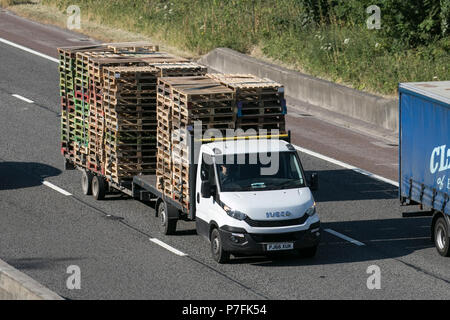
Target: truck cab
column 252, row 197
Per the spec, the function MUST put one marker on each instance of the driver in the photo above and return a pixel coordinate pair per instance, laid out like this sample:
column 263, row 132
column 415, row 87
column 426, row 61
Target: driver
column 226, row 174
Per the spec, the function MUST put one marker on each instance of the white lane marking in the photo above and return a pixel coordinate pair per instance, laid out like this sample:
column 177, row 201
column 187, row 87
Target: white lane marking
column 22, row 98
column 18, row 46
column 342, row 236
column 346, row 165
column 311, row 153
column 399, row 239
column 51, row 185
column 166, row 246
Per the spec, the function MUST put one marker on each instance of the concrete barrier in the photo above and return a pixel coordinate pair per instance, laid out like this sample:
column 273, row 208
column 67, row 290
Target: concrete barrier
column 353, row 103
column 15, row 285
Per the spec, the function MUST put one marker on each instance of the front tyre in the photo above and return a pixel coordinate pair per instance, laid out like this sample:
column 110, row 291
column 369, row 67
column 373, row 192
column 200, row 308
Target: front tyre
column 441, row 237
column 218, row 253
column 166, row 226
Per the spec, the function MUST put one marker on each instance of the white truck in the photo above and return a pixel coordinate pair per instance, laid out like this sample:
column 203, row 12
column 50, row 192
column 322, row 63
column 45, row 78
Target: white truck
column 247, row 195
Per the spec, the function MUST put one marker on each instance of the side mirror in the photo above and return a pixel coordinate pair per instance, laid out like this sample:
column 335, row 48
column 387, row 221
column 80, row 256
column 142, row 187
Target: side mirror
column 207, row 190
column 313, row 181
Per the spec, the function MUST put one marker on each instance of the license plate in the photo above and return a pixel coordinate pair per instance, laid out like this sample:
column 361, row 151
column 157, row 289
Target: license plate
column 280, row 246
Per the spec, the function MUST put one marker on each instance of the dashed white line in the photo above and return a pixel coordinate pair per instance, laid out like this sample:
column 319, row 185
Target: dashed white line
column 18, row 46
column 346, row 165
column 22, row 98
column 166, row 246
column 56, row 188
column 342, row 236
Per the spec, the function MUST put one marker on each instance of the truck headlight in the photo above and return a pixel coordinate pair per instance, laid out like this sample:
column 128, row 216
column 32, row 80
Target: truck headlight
column 312, row 210
column 234, row 213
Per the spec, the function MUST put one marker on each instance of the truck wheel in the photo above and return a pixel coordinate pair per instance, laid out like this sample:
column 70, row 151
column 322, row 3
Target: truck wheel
column 166, row 226
column 220, row 255
column 98, row 188
column 441, row 237
column 86, row 182
column 307, row 252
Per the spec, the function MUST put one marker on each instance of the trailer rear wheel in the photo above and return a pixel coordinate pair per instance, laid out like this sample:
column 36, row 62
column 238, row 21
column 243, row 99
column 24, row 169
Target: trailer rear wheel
column 441, row 237
column 98, row 188
column 86, row 182
column 167, row 226
column 218, row 253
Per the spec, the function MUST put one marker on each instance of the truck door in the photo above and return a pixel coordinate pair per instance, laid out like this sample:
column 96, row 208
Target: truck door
column 205, row 207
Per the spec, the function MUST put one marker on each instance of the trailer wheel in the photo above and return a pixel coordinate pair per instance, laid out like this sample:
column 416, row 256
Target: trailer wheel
column 219, row 255
column 166, row 226
column 441, row 237
column 98, row 188
column 86, row 182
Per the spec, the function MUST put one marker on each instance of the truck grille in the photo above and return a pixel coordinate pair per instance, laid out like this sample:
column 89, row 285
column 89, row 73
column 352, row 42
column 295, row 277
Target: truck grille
column 276, row 223
column 278, row 237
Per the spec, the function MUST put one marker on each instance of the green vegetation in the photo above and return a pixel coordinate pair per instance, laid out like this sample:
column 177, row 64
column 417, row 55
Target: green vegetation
column 325, row 38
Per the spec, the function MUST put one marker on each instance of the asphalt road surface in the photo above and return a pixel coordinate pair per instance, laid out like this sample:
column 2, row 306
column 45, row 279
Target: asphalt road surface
column 44, row 230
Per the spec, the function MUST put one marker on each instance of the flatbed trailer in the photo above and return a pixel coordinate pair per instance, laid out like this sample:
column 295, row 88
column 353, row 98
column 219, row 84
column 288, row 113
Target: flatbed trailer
column 145, row 187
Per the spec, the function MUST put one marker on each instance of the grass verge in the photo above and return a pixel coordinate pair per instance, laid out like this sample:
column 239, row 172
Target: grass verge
column 281, row 32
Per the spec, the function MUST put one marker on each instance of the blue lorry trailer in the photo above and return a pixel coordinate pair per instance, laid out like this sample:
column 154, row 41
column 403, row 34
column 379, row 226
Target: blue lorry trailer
column 425, row 153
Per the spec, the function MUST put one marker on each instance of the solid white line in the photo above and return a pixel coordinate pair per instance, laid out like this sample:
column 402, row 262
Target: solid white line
column 346, row 165
column 51, row 185
column 400, row 239
column 311, row 153
column 340, row 235
column 18, row 46
column 22, row 98
column 166, row 246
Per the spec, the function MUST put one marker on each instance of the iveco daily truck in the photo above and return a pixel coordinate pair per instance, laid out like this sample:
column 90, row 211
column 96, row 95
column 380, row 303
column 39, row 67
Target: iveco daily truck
column 236, row 205
column 425, row 153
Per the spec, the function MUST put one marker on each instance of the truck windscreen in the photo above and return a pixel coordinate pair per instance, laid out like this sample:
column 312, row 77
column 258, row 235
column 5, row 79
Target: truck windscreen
column 259, row 172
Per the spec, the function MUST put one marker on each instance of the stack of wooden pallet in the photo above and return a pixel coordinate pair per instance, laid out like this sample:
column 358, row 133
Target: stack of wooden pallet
column 108, row 99
column 181, row 102
column 129, row 96
column 73, row 110
column 260, row 102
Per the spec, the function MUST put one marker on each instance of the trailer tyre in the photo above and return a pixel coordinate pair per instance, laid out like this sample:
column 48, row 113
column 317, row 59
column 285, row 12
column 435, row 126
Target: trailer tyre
column 86, row 183
column 441, row 237
column 98, row 188
column 167, row 226
column 219, row 255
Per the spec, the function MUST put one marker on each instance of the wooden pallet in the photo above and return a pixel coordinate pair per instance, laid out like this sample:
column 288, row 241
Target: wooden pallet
column 180, row 69
column 260, row 102
column 197, row 98
column 244, row 81
column 139, row 46
column 166, row 186
column 97, row 64
column 147, row 124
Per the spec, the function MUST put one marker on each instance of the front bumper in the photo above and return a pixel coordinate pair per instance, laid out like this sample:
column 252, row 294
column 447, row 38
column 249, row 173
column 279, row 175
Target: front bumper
column 256, row 243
